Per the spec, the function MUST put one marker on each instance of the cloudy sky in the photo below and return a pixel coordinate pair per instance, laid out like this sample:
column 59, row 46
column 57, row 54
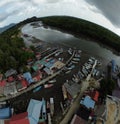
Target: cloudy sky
column 102, row 12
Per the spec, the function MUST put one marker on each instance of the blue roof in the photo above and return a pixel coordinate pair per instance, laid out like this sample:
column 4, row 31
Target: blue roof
column 28, row 77
column 5, row 113
column 34, row 110
column 88, row 102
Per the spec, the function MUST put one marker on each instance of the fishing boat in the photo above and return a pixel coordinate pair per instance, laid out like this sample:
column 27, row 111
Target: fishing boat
column 52, row 81
column 48, row 85
column 44, row 116
column 74, row 62
column 76, row 59
column 67, row 72
column 64, row 92
column 37, row 89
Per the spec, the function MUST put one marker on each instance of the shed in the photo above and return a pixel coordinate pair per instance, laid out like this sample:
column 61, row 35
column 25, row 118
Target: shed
column 88, row 102
column 34, row 109
column 5, row 113
column 28, row 77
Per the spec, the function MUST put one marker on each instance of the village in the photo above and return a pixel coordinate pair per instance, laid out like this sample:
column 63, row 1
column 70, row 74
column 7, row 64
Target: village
column 79, row 83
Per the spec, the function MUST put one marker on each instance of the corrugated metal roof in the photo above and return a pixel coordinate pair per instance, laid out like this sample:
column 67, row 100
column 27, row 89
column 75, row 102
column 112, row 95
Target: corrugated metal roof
column 28, row 77
column 33, row 110
column 88, row 102
column 5, row 113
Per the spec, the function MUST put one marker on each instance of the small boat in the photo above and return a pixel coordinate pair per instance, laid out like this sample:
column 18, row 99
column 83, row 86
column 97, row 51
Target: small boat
column 48, row 85
column 74, row 62
column 67, row 72
column 37, row 89
column 52, row 81
column 71, row 67
column 76, row 59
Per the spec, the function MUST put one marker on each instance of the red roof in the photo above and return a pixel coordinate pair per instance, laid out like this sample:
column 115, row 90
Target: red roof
column 96, row 95
column 20, row 119
column 2, row 83
column 24, row 83
column 93, row 94
column 10, row 79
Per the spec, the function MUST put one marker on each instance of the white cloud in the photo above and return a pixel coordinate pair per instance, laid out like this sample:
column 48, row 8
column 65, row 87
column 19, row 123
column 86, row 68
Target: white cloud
column 13, row 11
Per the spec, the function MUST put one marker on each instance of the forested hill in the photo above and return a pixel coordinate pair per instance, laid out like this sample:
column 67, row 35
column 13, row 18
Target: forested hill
column 6, row 27
column 85, row 28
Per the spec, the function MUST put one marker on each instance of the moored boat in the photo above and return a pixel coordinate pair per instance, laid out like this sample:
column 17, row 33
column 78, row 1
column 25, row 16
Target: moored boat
column 37, row 89
column 48, row 85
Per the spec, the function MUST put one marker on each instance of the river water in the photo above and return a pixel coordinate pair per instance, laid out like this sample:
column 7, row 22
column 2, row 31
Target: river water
column 55, row 36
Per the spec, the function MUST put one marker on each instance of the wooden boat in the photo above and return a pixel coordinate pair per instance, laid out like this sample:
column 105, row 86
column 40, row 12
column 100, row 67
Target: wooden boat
column 37, row 89
column 48, row 85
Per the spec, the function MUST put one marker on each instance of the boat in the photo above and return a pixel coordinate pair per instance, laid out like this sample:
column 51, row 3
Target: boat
column 52, row 106
column 37, row 89
column 44, row 116
column 67, row 72
column 74, row 62
column 52, row 81
column 64, row 92
column 76, row 59
column 71, row 67
column 48, row 85
column 118, row 81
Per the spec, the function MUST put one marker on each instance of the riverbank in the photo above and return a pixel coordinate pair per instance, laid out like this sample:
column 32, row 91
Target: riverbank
column 81, row 27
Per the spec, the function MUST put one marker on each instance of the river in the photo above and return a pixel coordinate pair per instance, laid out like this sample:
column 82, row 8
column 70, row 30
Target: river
column 56, row 36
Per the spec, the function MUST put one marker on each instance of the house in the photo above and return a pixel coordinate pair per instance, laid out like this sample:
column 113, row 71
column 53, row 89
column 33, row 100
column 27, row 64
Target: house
column 59, row 65
column 28, row 77
column 10, row 73
column 94, row 95
column 77, row 120
column 88, row 102
column 37, row 76
column 34, row 109
column 21, row 85
column 20, row 119
column 2, row 83
column 48, row 71
column 10, row 79
column 5, row 113
column 72, row 89
column 10, row 89
column 38, row 55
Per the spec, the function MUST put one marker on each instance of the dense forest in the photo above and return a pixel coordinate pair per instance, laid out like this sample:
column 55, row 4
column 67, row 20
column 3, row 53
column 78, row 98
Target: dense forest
column 12, row 54
column 12, row 49
column 81, row 27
